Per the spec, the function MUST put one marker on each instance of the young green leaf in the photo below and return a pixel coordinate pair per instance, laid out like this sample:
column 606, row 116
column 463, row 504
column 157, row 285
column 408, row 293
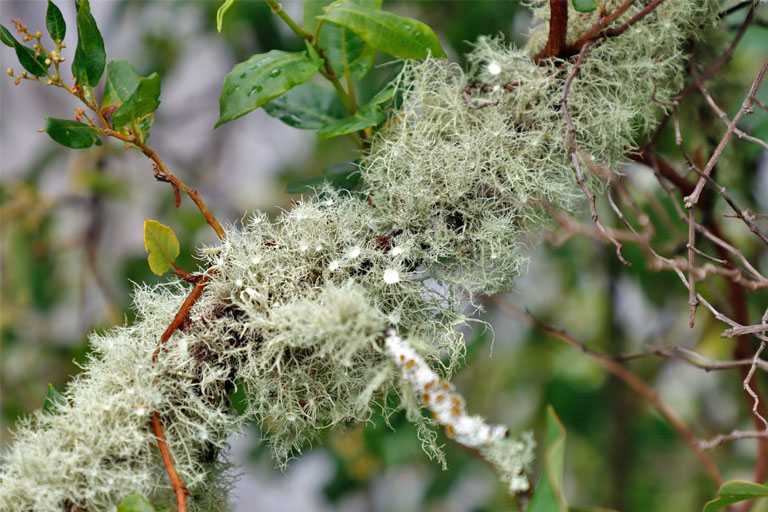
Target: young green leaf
column 162, row 245
column 144, row 100
column 307, row 106
column 54, row 22
column 73, row 134
column 90, row 56
column 584, row 5
column 369, row 115
column 263, row 77
column 548, row 495
column 26, row 55
column 53, row 399
column 122, row 82
column 734, row 492
column 391, row 33
column 135, row 503
column 223, row 8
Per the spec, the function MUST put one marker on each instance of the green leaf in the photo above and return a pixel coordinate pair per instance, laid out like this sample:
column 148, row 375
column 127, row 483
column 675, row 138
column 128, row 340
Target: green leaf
column 369, row 115
column 584, row 5
column 122, row 82
column 734, row 492
column 223, row 8
column 53, row 399
column 161, row 244
column 90, row 56
column 312, row 9
column 346, row 51
column 26, row 55
column 144, row 100
column 54, row 22
column 548, row 495
column 345, row 176
column 135, row 503
column 391, row 33
column 7, row 38
column 307, row 106
column 73, row 134
column 263, row 77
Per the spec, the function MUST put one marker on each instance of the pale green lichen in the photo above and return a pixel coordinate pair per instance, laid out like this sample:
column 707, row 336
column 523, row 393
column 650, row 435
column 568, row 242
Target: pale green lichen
column 296, row 307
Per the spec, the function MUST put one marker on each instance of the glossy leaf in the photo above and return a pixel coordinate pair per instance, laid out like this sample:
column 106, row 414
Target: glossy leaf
column 734, row 492
column 307, row 106
column 223, row 8
column 369, row 115
column 584, row 5
column 346, row 51
column 90, row 56
column 263, row 77
column 162, row 245
column 391, row 33
column 548, row 495
column 135, row 503
column 26, row 55
column 72, row 134
column 53, row 399
column 122, row 82
column 54, row 22
column 144, row 100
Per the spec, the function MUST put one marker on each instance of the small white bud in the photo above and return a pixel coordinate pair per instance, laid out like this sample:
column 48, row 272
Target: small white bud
column 303, row 247
column 334, row 266
column 397, row 251
column 239, row 283
column 494, row 68
column 353, row 253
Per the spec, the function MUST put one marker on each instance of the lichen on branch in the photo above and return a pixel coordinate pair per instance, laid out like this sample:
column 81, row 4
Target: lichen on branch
column 296, row 308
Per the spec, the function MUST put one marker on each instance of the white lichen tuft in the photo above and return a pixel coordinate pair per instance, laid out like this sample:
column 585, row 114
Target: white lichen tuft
column 296, row 308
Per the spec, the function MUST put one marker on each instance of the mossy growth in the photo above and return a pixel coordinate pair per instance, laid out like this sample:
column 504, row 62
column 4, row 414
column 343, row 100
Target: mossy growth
column 296, row 307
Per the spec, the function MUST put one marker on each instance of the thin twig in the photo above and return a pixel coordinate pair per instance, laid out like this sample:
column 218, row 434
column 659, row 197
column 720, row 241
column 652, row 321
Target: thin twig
column 570, row 141
column 746, row 107
column 629, row 378
column 734, row 435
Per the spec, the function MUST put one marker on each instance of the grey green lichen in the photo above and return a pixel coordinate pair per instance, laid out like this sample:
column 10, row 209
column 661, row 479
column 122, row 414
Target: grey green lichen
column 296, row 307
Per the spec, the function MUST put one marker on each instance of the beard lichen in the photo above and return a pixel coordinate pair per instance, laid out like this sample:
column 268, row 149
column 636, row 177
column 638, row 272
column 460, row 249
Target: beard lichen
column 296, row 307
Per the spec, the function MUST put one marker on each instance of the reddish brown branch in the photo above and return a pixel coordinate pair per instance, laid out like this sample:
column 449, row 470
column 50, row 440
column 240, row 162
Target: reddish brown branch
column 178, row 486
column 558, row 29
column 182, row 317
column 603, row 22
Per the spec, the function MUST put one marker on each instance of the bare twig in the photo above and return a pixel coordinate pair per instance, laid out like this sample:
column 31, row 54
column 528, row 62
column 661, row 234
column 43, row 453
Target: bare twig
column 570, row 140
column 735, row 435
column 629, row 378
column 746, row 107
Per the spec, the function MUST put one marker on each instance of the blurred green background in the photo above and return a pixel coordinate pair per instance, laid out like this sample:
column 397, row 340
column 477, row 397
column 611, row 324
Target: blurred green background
column 72, row 249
